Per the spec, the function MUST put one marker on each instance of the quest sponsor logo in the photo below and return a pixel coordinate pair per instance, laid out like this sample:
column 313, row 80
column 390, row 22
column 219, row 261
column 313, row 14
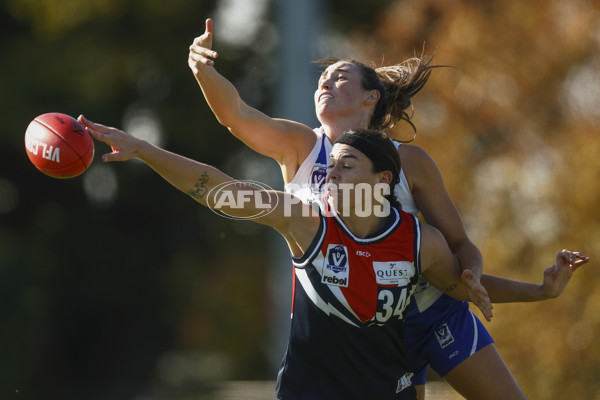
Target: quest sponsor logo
column 393, row 272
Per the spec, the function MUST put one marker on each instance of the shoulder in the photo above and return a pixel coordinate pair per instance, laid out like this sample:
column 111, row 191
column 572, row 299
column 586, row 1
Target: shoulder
column 417, row 164
column 297, row 132
column 411, row 154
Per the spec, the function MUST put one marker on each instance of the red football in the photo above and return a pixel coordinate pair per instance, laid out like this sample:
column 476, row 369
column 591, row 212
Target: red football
column 58, row 145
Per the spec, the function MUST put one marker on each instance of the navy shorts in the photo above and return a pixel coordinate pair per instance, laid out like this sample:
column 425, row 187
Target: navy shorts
column 443, row 336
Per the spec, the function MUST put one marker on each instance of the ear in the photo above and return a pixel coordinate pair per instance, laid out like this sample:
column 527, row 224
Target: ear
column 385, row 177
column 373, row 97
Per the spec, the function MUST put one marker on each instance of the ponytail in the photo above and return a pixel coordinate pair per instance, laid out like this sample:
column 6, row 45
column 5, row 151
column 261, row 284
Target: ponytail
column 401, row 81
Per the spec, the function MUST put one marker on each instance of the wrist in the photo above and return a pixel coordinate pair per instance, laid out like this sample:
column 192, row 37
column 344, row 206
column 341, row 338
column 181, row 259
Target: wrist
column 541, row 294
column 144, row 150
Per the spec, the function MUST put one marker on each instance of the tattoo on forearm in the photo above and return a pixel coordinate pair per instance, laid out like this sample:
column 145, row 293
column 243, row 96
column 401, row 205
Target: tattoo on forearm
column 200, row 188
column 451, row 288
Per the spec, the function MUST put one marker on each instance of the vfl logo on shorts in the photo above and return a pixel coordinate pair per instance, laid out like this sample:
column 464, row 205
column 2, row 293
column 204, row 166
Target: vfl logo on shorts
column 317, row 178
column 336, row 270
column 444, row 336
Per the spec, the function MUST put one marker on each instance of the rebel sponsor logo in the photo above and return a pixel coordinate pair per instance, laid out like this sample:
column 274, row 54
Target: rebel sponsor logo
column 334, row 281
column 336, row 270
column 396, row 273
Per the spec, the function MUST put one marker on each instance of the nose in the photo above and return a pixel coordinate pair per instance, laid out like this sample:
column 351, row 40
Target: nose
column 325, row 83
column 332, row 175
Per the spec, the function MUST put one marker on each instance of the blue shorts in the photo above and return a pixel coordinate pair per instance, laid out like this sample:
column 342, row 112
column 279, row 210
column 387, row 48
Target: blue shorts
column 443, row 336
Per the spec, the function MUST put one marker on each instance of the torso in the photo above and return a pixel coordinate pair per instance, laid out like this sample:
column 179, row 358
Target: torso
column 309, row 180
column 349, row 299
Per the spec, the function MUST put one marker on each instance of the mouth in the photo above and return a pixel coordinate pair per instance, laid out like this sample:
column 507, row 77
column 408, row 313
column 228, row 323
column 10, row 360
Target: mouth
column 325, row 95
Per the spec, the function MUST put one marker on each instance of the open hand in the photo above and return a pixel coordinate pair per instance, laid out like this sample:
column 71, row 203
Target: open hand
column 124, row 146
column 478, row 295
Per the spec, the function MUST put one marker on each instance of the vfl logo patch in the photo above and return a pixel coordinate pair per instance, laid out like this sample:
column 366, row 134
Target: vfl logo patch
column 335, row 269
column 444, row 336
column 396, row 273
column 404, row 382
column 317, row 178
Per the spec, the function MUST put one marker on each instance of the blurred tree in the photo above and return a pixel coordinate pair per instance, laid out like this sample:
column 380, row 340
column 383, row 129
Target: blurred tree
column 114, row 285
column 109, row 277
column 513, row 127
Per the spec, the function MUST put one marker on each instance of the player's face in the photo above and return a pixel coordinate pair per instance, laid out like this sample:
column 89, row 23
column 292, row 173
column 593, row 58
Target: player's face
column 340, row 90
column 348, row 170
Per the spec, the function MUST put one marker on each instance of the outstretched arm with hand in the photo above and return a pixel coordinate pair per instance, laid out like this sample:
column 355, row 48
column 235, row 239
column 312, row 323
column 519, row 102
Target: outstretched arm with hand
column 198, row 181
column 494, row 289
column 191, row 177
column 287, row 142
column 556, row 278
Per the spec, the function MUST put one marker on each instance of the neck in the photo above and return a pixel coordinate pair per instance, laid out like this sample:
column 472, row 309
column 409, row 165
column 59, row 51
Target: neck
column 334, row 128
column 363, row 227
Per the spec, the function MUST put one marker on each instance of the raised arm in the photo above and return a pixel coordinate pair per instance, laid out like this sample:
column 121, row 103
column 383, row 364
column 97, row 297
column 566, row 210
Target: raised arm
column 213, row 188
column 432, row 199
column 285, row 141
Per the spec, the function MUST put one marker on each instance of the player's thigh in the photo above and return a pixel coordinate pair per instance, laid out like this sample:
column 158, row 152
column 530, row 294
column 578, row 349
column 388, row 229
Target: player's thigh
column 485, row 376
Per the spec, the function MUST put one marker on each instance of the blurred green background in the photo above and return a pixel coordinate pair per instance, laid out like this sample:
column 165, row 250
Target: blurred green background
column 115, row 286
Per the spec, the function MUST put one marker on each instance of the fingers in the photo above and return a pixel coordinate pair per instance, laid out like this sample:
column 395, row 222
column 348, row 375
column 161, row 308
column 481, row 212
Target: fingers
column 574, row 259
column 485, row 306
column 113, row 137
column 469, row 279
column 478, row 294
column 486, row 310
column 209, row 26
column 93, row 126
column 200, row 46
column 201, row 54
column 579, row 262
